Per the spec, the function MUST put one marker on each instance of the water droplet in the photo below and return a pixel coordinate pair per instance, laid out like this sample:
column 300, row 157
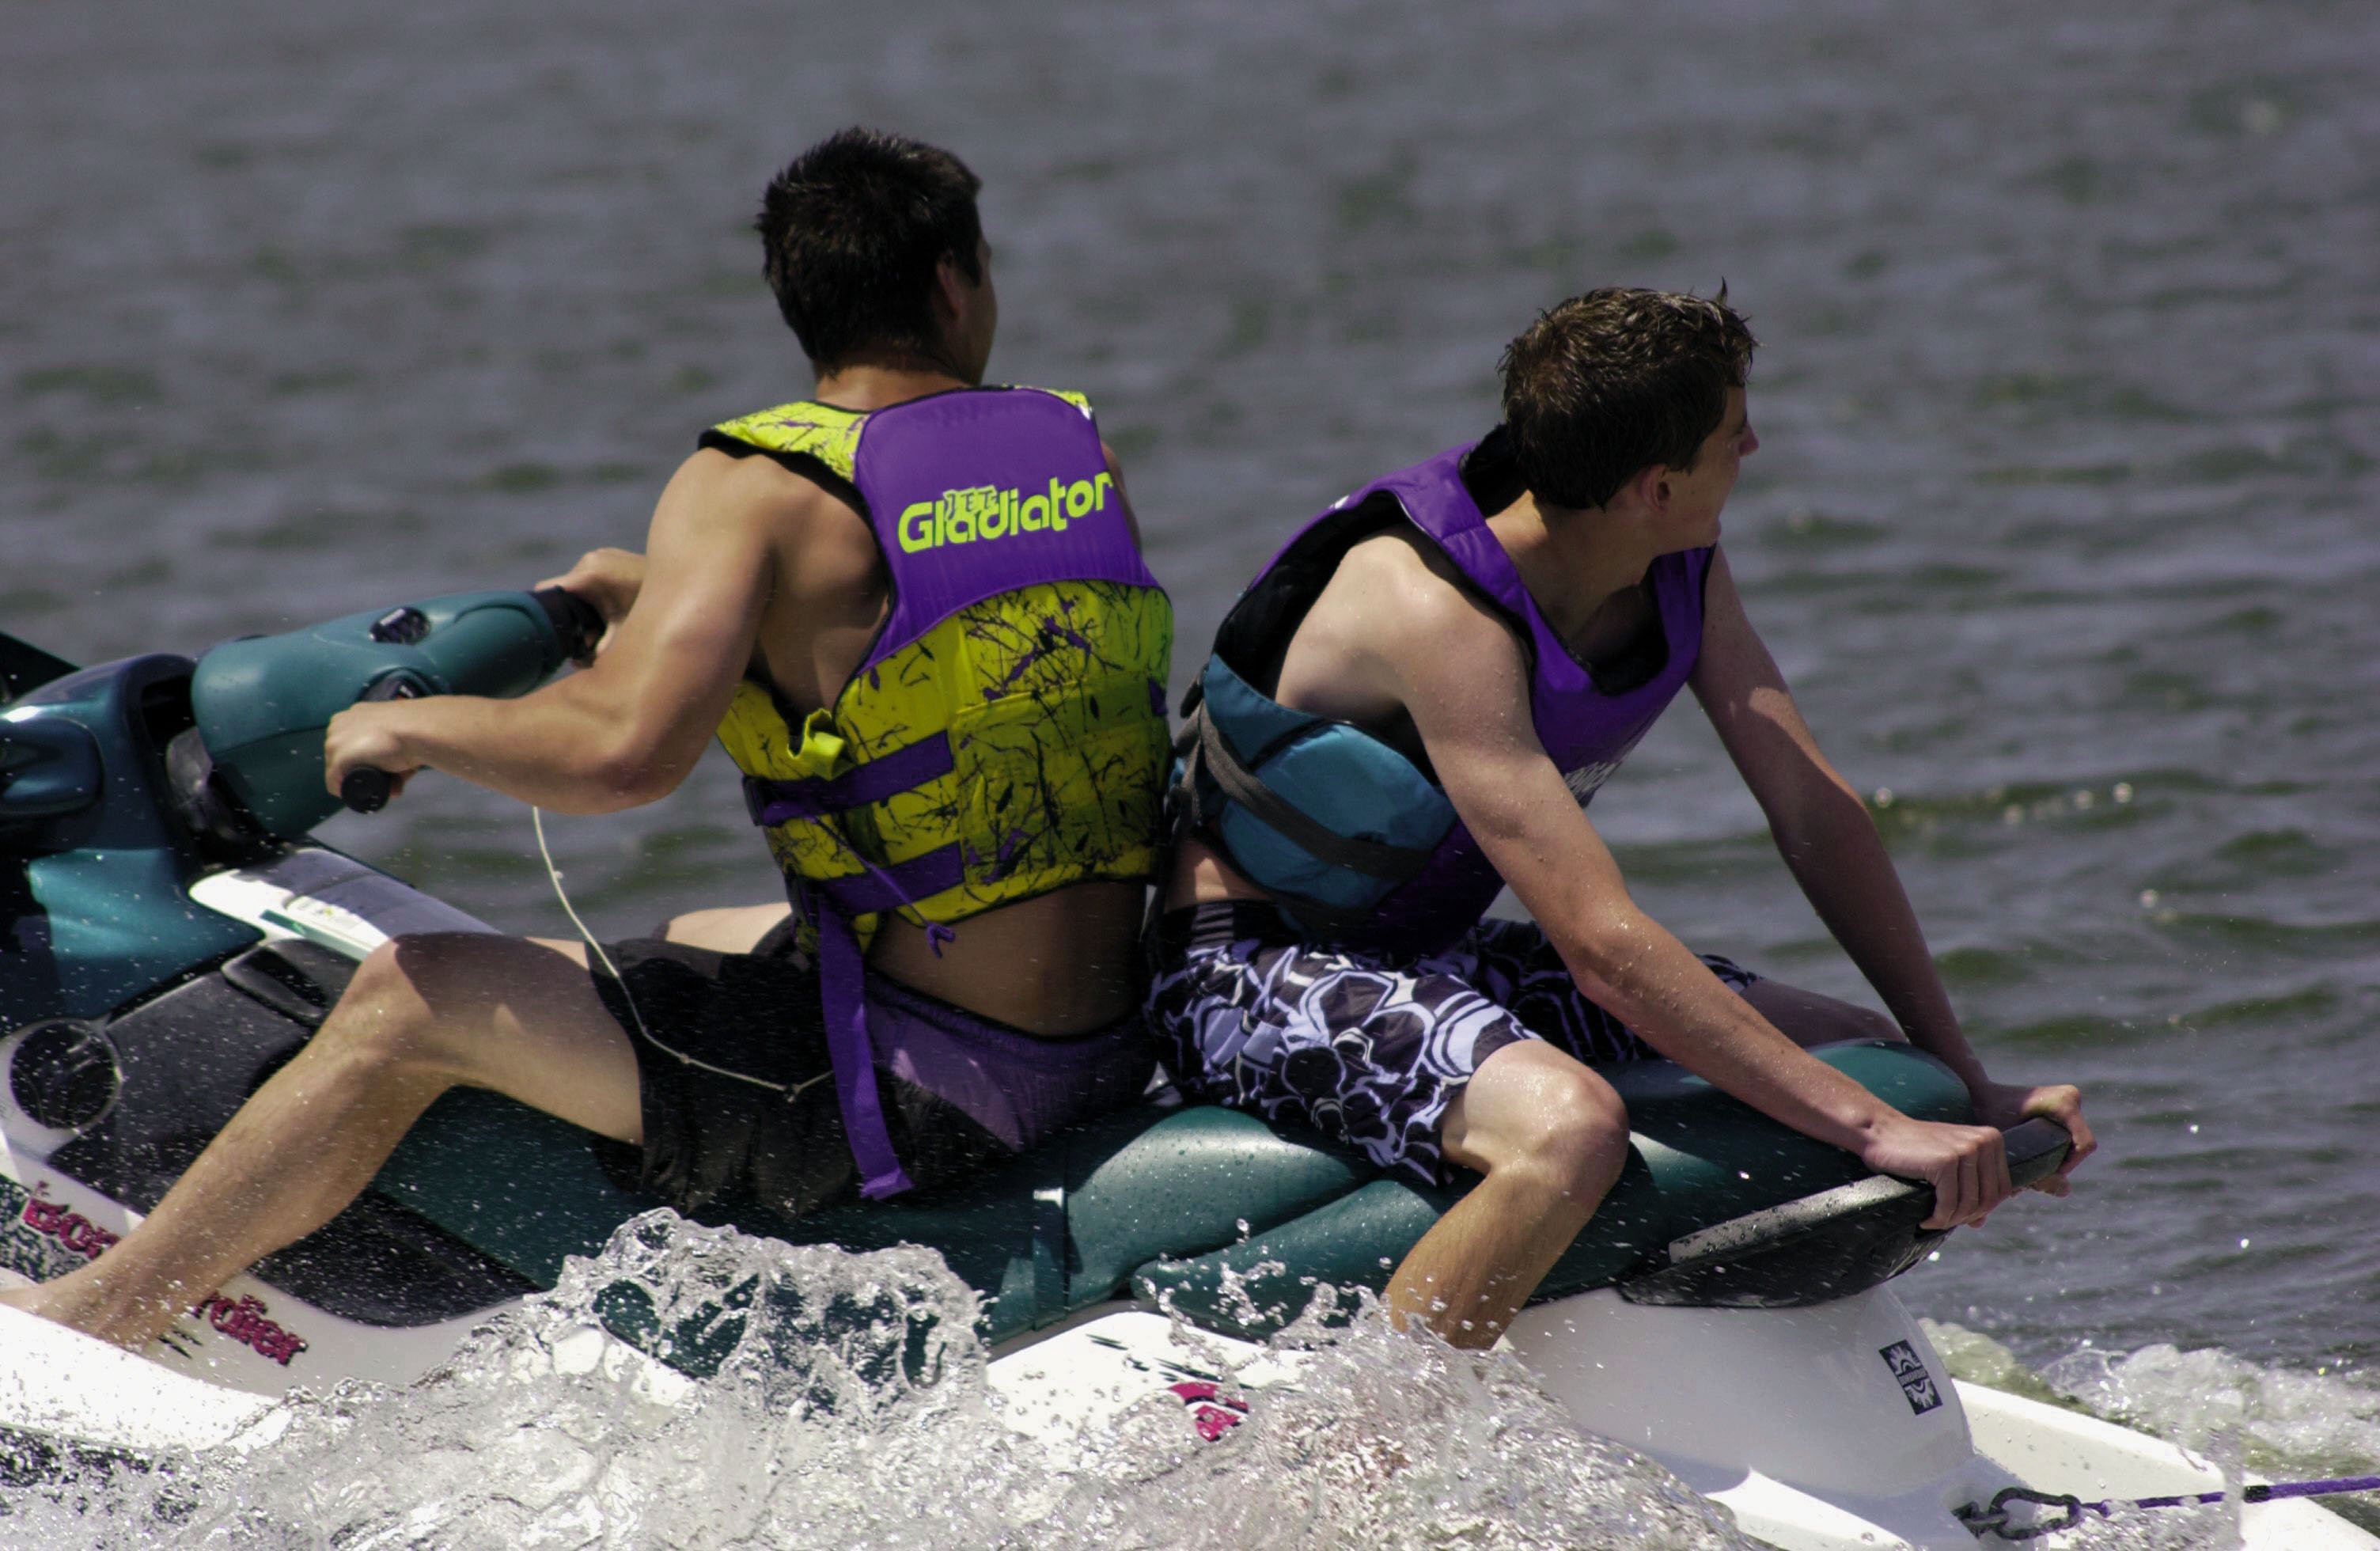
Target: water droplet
column 2123, row 793
column 2243, row 1243
column 2149, row 897
column 1884, row 796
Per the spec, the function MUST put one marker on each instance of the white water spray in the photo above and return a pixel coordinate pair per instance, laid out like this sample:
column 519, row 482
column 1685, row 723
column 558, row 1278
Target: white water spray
column 811, row 1397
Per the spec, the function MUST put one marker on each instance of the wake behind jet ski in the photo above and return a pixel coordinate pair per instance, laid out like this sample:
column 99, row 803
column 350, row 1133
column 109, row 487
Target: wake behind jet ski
column 176, row 937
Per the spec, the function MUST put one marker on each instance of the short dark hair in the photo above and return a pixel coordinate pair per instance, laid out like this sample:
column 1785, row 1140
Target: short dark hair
column 852, row 232
column 1605, row 385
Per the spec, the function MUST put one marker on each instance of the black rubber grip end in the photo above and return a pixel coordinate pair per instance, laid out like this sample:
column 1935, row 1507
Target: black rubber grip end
column 365, row 789
column 575, row 621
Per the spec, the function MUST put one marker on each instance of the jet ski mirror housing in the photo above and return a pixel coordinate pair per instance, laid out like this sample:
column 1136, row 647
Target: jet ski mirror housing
column 48, row 769
column 261, row 703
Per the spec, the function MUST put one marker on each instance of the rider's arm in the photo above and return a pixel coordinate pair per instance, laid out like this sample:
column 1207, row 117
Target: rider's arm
column 1461, row 675
column 628, row 729
column 1820, row 825
column 1823, row 830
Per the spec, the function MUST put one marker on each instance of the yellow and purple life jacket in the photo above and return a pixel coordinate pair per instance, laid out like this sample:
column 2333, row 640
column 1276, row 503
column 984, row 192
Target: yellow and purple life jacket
column 1004, row 735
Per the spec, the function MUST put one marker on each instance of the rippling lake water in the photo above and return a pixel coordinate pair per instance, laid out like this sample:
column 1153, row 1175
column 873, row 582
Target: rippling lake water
column 2061, row 526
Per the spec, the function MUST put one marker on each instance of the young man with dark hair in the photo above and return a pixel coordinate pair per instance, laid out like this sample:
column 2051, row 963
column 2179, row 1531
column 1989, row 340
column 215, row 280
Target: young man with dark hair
column 1409, row 709
column 914, row 611
column 852, row 233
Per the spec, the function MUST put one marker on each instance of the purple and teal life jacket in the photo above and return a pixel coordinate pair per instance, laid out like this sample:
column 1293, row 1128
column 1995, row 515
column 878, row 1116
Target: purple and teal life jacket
column 1355, row 842
column 1005, row 734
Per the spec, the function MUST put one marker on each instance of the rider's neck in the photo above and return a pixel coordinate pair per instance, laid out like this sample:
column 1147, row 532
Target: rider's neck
column 880, row 381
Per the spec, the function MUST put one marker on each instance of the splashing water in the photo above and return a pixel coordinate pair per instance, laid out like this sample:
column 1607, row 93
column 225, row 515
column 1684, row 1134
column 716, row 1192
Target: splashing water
column 2288, row 1422
column 1386, row 1439
column 2280, row 1424
column 811, row 1397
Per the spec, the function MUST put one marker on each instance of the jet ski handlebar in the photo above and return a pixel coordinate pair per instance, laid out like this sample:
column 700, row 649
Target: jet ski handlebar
column 1828, row 1245
column 366, row 788
column 260, row 704
column 2035, row 1149
column 575, row 621
column 577, row 624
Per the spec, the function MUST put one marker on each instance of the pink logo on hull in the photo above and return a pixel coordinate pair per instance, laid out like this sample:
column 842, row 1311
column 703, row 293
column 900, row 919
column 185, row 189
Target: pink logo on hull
column 71, row 1229
column 1211, row 1413
column 245, row 1323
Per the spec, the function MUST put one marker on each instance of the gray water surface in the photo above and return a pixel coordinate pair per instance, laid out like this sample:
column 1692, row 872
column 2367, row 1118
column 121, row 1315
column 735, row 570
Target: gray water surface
column 2061, row 526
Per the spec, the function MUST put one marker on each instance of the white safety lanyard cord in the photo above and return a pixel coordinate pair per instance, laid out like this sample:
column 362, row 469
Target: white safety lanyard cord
column 537, row 823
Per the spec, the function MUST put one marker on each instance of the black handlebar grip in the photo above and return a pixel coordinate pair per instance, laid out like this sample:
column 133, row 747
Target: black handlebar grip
column 576, row 621
column 2034, row 1149
column 365, row 789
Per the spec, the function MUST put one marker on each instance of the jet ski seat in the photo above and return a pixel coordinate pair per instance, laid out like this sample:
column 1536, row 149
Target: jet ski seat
column 1183, row 1203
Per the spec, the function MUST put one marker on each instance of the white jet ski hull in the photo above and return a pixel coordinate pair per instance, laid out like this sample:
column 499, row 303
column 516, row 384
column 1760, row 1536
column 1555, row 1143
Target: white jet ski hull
column 1796, row 1421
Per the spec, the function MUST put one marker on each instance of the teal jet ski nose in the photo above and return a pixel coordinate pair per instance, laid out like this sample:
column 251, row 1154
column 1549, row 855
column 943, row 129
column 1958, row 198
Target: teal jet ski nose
column 261, row 703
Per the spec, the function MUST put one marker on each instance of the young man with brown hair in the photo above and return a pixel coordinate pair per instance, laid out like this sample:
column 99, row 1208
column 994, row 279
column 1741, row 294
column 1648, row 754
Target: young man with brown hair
column 1409, row 711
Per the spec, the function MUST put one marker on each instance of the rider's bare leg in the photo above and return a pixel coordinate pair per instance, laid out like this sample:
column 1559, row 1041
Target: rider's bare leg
column 423, row 1014
column 730, row 929
column 1550, row 1137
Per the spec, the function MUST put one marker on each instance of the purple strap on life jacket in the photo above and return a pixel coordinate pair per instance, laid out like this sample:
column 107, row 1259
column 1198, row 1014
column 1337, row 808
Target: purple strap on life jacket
column 841, row 967
column 842, row 991
column 775, row 802
column 1580, row 725
column 882, row 889
column 843, row 985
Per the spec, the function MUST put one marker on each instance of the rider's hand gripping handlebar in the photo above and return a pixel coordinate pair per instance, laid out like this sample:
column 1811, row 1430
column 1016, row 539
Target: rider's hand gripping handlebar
column 575, row 624
column 364, row 789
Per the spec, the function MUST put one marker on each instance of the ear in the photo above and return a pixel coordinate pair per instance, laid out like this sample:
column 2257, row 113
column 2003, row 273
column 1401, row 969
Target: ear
column 1650, row 486
column 951, row 289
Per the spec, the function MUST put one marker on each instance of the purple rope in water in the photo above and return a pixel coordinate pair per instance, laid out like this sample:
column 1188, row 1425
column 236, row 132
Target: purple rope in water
column 2264, row 1492
column 1994, row 1520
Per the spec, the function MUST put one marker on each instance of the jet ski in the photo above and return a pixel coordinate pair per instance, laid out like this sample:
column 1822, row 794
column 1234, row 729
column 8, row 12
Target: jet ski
column 169, row 935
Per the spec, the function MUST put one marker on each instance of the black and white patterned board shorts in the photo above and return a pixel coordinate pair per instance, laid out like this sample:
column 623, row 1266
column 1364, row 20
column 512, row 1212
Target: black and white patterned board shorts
column 1366, row 1048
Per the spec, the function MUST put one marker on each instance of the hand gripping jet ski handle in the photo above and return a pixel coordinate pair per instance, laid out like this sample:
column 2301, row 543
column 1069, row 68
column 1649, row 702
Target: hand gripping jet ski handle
column 260, row 704
column 365, row 789
column 576, row 622
column 1827, row 1245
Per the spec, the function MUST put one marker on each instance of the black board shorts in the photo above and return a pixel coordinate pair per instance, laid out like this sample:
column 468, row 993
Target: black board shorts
column 737, row 1092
